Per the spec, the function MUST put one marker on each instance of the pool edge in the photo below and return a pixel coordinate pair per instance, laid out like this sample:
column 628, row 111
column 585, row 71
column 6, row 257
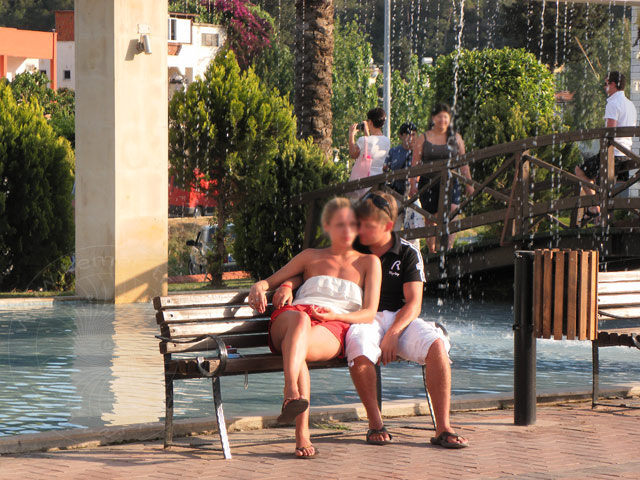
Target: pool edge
column 91, row 437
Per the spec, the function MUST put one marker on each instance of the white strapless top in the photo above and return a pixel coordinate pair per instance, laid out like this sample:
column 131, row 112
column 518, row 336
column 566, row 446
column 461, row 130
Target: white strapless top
column 338, row 294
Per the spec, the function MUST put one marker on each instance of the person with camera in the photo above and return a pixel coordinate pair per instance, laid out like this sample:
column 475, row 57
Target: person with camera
column 370, row 150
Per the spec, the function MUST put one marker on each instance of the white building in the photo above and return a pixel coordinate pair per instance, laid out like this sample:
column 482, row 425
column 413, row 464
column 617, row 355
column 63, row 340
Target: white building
column 191, row 47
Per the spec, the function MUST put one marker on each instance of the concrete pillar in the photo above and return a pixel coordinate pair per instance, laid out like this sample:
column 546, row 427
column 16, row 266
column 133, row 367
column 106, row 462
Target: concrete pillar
column 634, row 83
column 121, row 150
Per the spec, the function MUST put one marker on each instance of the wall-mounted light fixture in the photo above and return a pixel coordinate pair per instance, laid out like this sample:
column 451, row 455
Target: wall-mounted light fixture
column 144, row 44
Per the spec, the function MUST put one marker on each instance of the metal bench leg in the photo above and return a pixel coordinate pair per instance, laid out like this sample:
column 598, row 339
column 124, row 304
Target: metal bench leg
column 596, row 374
column 168, row 415
column 222, row 428
column 426, row 390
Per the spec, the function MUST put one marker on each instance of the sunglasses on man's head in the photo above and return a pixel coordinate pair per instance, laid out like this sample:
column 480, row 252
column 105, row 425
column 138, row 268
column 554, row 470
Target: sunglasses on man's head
column 379, row 202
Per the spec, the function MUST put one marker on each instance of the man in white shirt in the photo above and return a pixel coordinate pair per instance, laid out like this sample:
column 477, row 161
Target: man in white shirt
column 619, row 112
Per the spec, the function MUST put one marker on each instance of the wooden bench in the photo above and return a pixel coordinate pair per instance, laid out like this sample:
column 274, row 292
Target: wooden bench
column 571, row 299
column 217, row 335
column 619, row 301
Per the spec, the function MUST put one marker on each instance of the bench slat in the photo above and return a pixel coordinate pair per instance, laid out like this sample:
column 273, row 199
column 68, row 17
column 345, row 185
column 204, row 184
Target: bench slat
column 624, row 312
column 621, row 300
column 617, row 337
column 258, row 363
column 621, row 287
column 200, row 299
column 185, row 330
column 208, row 313
column 208, row 345
column 605, row 277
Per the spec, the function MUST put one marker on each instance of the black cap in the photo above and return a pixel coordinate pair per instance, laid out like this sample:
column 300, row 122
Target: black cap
column 407, row 127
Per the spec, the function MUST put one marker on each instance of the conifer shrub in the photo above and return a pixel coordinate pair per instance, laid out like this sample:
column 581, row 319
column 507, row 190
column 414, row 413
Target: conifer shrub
column 239, row 135
column 36, row 180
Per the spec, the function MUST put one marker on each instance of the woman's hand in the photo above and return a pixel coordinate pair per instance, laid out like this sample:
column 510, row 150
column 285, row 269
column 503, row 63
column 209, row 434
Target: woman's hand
column 282, row 296
column 323, row 314
column 413, row 189
column 353, row 128
column 257, row 297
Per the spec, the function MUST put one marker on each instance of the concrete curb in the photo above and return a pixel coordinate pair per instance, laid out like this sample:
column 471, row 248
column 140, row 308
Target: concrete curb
column 37, row 301
column 92, row 437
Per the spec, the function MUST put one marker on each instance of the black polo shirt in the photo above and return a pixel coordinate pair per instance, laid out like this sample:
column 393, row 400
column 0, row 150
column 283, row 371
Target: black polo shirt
column 400, row 264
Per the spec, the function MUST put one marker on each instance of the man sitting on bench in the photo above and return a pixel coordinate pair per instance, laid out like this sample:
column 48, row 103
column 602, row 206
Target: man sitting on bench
column 396, row 331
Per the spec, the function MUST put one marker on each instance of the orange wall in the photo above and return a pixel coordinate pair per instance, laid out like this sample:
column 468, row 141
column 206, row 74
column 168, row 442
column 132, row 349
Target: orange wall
column 29, row 44
column 26, row 43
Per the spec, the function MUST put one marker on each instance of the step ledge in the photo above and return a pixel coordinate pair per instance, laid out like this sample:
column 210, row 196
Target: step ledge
column 97, row 436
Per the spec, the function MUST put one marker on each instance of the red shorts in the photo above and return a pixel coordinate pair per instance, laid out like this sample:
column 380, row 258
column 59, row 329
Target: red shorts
column 338, row 329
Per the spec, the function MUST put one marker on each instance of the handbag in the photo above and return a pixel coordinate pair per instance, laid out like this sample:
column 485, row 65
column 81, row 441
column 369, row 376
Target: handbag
column 362, row 167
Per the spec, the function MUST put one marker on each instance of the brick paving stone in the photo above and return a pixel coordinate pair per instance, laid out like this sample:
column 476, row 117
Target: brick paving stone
column 568, row 442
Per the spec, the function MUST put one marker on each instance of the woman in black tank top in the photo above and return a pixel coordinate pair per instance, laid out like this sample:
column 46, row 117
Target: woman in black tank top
column 440, row 142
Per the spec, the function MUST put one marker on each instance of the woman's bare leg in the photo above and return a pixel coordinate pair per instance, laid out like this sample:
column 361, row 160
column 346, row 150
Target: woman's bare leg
column 431, row 241
column 290, row 334
column 452, row 236
column 303, row 435
column 322, row 345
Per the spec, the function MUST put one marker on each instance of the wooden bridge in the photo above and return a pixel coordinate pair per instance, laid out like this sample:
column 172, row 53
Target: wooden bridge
column 524, row 203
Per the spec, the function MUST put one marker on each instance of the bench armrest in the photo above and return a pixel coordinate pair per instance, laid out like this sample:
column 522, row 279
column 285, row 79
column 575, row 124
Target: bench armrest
column 222, row 355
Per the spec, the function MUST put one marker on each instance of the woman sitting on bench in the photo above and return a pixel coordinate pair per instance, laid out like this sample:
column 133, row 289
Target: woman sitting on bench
column 341, row 286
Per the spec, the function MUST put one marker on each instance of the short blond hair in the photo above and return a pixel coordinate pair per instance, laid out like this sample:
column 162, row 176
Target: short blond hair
column 332, row 206
column 367, row 209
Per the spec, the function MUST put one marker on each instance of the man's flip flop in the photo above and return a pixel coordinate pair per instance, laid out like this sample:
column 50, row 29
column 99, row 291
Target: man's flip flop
column 441, row 440
column 291, row 408
column 316, row 452
column 374, row 431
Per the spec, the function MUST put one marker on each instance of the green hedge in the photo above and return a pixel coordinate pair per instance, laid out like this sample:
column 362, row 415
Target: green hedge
column 36, row 217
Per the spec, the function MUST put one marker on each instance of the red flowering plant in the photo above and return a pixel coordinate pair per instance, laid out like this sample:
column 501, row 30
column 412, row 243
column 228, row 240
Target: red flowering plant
column 248, row 33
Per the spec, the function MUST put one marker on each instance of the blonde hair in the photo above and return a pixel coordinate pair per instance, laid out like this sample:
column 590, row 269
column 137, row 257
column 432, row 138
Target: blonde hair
column 332, row 206
column 367, row 209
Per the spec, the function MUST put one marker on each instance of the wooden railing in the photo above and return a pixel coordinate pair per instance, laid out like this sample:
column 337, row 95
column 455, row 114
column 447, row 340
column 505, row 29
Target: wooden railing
column 519, row 208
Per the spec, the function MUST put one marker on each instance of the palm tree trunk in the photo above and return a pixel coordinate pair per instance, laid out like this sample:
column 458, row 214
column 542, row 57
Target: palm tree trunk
column 313, row 70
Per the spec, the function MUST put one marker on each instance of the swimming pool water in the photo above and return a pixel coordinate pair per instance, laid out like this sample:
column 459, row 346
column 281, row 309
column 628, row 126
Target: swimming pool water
column 78, row 365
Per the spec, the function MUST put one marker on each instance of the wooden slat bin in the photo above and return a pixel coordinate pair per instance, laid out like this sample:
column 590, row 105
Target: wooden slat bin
column 565, row 294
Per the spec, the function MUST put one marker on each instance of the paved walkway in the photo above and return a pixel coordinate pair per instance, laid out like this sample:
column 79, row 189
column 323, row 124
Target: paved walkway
column 568, row 442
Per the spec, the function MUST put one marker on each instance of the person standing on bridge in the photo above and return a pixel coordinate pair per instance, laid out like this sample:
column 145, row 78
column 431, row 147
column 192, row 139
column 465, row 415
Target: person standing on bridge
column 438, row 143
column 370, row 150
column 619, row 112
column 396, row 331
column 399, row 158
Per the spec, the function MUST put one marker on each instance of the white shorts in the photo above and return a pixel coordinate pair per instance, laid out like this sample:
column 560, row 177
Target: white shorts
column 415, row 340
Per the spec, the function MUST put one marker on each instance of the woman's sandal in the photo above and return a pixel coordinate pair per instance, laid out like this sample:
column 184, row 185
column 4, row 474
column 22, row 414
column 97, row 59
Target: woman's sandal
column 378, row 431
column 316, row 452
column 291, row 408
